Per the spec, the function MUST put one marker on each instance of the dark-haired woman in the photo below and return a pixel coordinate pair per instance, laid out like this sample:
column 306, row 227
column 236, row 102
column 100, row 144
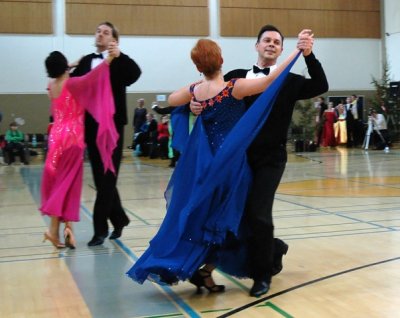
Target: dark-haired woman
column 63, row 170
column 208, row 189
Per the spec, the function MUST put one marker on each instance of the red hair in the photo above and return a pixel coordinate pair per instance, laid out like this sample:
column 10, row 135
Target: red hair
column 206, row 55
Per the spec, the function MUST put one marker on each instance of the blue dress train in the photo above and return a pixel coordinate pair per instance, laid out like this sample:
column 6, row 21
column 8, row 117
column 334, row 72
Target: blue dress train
column 207, row 192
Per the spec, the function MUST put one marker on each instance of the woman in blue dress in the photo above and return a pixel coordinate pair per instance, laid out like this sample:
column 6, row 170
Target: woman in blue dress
column 208, row 189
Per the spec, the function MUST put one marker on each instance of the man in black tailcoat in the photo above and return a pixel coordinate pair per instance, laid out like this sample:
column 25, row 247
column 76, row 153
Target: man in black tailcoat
column 123, row 72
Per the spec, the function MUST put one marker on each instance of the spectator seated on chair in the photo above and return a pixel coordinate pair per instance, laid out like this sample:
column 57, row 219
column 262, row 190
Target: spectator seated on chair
column 14, row 145
column 146, row 137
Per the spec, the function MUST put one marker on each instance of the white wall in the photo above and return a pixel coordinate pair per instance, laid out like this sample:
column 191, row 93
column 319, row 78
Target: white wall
column 166, row 64
column 392, row 42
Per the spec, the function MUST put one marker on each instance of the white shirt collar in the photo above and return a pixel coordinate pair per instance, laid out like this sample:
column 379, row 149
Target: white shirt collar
column 104, row 53
column 98, row 61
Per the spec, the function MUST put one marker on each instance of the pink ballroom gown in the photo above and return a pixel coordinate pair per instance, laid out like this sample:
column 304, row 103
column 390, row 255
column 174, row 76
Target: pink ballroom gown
column 63, row 170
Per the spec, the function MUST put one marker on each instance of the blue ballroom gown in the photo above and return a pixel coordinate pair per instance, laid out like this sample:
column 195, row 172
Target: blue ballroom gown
column 207, row 192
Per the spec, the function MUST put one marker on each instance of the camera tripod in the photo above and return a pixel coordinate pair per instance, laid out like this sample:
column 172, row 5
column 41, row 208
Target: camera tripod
column 370, row 129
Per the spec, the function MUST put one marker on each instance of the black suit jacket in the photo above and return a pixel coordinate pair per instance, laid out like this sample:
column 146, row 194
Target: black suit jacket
column 272, row 138
column 123, row 72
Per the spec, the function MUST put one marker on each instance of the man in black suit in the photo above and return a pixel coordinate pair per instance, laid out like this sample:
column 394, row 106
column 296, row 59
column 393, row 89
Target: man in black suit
column 267, row 154
column 349, row 122
column 123, row 72
column 358, row 124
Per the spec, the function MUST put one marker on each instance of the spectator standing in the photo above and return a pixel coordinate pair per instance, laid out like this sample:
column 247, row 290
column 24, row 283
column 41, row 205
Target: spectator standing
column 340, row 126
column 380, row 135
column 358, row 125
column 329, row 118
column 139, row 115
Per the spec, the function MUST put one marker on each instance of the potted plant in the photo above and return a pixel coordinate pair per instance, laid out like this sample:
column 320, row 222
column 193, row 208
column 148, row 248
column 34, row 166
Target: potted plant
column 387, row 100
column 302, row 128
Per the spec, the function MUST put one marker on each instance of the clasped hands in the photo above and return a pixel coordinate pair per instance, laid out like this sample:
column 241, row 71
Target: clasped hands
column 113, row 51
column 305, row 41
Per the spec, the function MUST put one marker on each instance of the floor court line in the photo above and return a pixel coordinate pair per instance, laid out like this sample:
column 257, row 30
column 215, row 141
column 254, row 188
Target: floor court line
column 324, row 212
column 292, row 237
column 180, row 303
column 311, row 282
column 167, row 290
column 136, row 216
column 365, row 222
column 277, row 309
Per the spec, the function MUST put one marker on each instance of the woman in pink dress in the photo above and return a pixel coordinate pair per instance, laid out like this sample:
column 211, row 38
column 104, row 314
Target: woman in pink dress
column 63, row 170
column 329, row 119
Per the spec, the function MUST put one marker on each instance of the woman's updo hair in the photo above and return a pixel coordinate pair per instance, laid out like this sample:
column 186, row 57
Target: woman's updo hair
column 56, row 64
column 206, row 55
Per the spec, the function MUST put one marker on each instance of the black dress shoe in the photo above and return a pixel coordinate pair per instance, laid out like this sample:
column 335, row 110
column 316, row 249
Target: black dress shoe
column 96, row 240
column 260, row 287
column 281, row 249
column 117, row 232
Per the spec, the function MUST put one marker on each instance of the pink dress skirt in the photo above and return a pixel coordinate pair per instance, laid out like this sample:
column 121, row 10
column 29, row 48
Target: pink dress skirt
column 63, row 170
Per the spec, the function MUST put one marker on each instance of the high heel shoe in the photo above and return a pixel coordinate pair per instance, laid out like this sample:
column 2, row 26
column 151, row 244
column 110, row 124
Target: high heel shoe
column 199, row 280
column 54, row 241
column 69, row 238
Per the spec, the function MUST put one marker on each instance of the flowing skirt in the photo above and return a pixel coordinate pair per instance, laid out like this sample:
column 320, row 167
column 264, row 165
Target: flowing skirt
column 341, row 132
column 61, row 188
column 328, row 135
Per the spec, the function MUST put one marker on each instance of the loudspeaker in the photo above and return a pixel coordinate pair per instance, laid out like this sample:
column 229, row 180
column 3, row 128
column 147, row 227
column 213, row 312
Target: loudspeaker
column 394, row 89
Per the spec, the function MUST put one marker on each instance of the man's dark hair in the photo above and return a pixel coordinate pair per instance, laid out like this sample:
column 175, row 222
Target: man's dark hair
column 56, row 64
column 268, row 27
column 114, row 30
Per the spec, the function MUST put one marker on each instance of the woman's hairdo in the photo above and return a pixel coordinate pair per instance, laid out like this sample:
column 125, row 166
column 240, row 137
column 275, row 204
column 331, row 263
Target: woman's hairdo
column 56, row 64
column 206, row 55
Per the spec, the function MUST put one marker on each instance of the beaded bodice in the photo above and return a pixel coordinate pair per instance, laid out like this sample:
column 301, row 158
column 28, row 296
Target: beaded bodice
column 220, row 114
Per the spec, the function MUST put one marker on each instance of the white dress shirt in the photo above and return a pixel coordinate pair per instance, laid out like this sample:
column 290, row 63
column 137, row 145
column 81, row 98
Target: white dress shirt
column 97, row 61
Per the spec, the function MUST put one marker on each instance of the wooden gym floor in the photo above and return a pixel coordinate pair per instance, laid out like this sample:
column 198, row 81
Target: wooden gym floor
column 339, row 211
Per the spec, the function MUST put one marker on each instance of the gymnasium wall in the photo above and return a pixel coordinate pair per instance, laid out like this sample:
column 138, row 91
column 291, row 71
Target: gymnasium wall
column 159, row 34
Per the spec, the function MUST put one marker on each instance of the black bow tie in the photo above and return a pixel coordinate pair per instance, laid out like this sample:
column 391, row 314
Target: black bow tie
column 256, row 70
column 97, row 56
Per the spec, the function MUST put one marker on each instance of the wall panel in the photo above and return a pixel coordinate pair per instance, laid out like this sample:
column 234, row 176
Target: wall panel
column 163, row 17
column 26, row 17
column 329, row 18
column 339, row 5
